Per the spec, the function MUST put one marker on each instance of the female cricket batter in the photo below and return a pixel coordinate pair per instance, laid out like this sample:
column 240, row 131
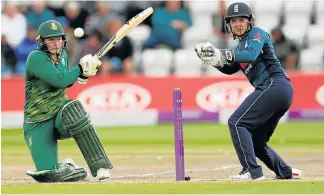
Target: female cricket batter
column 50, row 116
column 254, row 121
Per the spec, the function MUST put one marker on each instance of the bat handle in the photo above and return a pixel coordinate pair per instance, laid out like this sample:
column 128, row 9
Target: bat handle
column 96, row 56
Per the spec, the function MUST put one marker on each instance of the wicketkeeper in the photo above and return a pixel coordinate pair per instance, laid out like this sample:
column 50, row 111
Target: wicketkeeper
column 49, row 115
column 254, row 121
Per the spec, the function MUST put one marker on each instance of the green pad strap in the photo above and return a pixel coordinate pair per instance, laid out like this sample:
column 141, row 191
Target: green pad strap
column 77, row 122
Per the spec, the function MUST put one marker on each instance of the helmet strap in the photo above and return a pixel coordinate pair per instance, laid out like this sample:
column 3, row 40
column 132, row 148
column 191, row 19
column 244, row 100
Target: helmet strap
column 42, row 46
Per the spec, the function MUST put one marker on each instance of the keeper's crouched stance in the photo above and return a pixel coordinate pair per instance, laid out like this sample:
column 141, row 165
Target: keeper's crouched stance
column 254, row 121
column 49, row 116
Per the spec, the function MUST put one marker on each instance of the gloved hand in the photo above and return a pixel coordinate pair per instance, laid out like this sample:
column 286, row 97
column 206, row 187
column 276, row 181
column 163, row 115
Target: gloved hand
column 212, row 56
column 82, row 80
column 208, row 54
column 89, row 66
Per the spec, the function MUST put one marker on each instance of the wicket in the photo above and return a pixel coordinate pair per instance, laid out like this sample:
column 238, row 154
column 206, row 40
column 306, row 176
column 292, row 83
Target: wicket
column 178, row 134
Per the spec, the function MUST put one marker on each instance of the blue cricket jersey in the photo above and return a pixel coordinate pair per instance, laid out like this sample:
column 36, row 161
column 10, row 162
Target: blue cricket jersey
column 256, row 58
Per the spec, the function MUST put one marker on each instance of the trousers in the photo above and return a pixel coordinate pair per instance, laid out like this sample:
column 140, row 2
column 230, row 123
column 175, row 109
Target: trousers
column 41, row 139
column 253, row 123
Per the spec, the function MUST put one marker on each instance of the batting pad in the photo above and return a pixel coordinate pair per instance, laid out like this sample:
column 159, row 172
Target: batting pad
column 77, row 123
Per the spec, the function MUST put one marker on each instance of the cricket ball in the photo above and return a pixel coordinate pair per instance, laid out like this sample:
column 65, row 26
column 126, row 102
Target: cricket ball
column 78, row 32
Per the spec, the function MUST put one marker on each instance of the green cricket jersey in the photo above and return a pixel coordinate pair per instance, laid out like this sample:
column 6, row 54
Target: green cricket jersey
column 45, row 85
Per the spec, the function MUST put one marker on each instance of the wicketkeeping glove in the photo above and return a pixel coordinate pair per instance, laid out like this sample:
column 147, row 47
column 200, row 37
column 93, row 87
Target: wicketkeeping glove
column 212, row 56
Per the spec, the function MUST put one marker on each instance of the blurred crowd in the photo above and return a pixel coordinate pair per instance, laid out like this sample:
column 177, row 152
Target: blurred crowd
column 101, row 20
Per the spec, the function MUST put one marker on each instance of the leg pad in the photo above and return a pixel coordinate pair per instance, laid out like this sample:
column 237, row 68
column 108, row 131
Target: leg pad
column 76, row 121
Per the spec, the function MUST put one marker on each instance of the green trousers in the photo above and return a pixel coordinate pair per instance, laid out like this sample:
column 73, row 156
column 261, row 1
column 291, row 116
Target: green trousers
column 41, row 139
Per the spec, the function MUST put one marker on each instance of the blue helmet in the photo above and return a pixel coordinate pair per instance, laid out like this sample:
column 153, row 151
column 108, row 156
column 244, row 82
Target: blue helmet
column 238, row 9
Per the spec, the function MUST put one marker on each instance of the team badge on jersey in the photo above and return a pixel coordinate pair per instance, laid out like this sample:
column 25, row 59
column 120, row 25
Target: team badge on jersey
column 257, row 37
column 243, row 65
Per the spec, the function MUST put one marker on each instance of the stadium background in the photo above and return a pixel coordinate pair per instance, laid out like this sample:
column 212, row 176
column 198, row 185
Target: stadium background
column 301, row 22
column 135, row 77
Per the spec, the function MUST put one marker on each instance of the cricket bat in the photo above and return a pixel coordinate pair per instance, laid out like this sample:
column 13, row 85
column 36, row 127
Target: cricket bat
column 124, row 30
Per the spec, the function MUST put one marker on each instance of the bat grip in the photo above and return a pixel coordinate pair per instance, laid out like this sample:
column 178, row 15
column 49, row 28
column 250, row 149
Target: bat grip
column 96, row 56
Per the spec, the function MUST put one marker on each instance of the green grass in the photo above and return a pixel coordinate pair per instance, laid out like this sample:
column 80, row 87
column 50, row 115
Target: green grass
column 286, row 135
column 171, row 188
column 152, row 140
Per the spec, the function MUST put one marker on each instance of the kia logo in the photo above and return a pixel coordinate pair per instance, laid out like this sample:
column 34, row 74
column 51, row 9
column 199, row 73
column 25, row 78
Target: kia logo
column 115, row 97
column 223, row 95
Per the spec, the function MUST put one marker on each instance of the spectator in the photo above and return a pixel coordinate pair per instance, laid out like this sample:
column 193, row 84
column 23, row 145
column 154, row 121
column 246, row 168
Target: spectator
column 121, row 55
column 92, row 44
column 119, row 7
column 286, row 50
column 218, row 39
column 135, row 7
column 219, row 36
column 168, row 23
column 24, row 48
column 13, row 24
column 8, row 55
column 5, row 72
column 57, row 7
column 77, row 15
column 39, row 14
column 22, row 6
column 90, row 6
column 100, row 19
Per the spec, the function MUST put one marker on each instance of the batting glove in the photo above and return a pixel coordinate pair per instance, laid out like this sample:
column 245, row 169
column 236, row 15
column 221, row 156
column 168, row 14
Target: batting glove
column 82, row 80
column 89, row 65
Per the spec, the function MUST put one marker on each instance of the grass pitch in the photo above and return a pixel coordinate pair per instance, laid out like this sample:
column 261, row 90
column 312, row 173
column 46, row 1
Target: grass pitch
column 144, row 161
